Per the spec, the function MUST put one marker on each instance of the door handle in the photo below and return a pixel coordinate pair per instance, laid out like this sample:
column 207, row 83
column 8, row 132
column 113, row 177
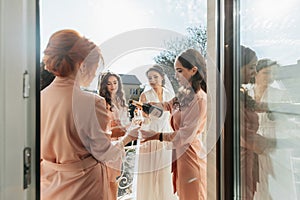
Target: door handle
column 26, row 167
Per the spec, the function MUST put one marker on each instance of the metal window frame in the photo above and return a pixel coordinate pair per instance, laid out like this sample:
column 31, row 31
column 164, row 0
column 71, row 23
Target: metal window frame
column 230, row 147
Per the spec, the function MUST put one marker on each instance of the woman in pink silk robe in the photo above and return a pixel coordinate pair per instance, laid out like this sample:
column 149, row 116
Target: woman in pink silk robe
column 189, row 112
column 75, row 149
column 110, row 87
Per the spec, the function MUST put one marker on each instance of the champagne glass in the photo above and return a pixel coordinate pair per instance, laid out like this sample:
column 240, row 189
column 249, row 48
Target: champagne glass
column 138, row 118
column 146, row 123
column 124, row 119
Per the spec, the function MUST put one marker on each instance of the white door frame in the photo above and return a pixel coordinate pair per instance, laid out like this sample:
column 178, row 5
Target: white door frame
column 17, row 114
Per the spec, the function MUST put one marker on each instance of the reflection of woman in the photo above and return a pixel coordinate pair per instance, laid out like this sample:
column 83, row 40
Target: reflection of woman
column 188, row 111
column 110, row 87
column 259, row 93
column 154, row 180
column 74, row 147
column 274, row 165
column 252, row 144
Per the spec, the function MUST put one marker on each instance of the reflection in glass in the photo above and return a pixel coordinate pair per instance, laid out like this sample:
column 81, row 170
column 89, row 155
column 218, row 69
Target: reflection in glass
column 273, row 100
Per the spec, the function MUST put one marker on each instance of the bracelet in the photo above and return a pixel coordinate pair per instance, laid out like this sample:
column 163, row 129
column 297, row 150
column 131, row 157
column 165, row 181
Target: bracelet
column 161, row 137
column 121, row 141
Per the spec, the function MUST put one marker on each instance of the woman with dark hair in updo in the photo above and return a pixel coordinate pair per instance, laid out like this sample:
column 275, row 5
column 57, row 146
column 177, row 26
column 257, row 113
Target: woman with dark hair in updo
column 75, row 149
column 188, row 120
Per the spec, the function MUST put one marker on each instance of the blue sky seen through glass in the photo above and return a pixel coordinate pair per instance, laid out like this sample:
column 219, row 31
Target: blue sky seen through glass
column 268, row 27
column 101, row 20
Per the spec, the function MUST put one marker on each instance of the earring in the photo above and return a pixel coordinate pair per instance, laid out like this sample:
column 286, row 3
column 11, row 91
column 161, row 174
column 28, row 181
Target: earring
column 81, row 70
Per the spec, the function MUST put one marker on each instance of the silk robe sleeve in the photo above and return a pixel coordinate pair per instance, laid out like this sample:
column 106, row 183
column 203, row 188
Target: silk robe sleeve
column 191, row 121
column 92, row 123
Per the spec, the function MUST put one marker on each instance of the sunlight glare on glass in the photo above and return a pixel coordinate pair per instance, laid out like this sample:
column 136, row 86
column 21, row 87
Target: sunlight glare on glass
column 274, row 9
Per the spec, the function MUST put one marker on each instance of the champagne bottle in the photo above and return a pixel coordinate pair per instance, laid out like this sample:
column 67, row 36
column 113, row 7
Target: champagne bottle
column 147, row 108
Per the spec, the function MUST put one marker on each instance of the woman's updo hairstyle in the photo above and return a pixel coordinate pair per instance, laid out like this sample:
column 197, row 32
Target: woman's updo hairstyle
column 65, row 50
column 247, row 55
column 264, row 63
column 159, row 70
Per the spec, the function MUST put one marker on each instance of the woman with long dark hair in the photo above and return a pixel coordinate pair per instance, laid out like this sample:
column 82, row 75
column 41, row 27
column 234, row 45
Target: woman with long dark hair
column 111, row 89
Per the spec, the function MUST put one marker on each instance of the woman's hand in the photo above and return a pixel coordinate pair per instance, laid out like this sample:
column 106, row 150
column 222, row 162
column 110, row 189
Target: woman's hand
column 118, row 131
column 115, row 123
column 148, row 135
column 132, row 134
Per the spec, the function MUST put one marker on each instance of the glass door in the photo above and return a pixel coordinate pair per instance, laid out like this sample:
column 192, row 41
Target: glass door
column 269, row 38
column 265, row 62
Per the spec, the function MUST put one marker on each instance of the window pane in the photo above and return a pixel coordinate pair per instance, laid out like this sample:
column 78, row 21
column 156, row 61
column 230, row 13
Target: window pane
column 270, row 99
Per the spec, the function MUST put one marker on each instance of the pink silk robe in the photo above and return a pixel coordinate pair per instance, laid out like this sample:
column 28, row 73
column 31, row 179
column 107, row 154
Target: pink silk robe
column 189, row 169
column 252, row 144
column 75, row 150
